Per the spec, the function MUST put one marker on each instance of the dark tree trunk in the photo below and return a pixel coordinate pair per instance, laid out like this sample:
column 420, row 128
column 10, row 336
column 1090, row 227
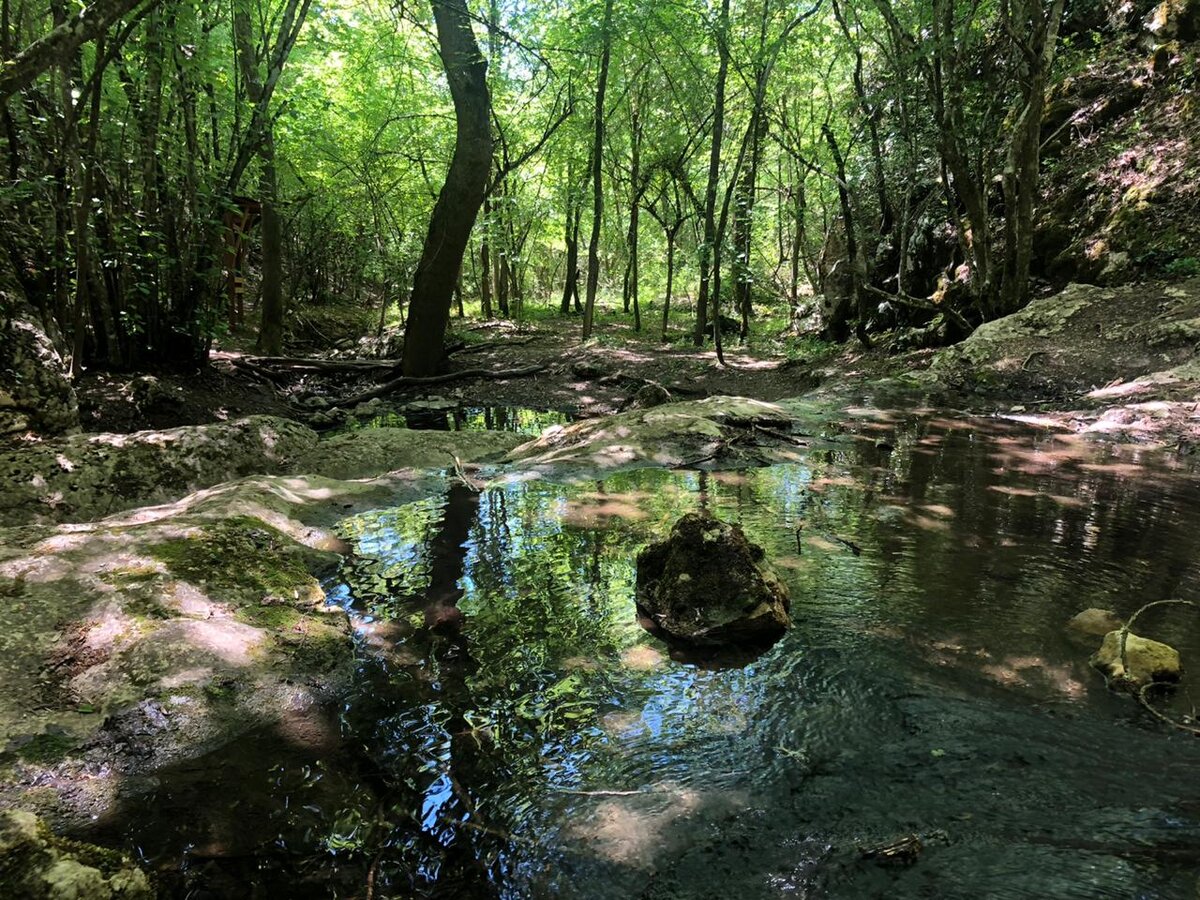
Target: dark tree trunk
column 707, row 261
column 593, row 276
column 270, row 334
column 461, row 196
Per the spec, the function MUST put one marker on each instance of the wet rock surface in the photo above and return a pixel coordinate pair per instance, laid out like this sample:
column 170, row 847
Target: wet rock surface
column 728, row 432
column 36, row 865
column 1144, row 661
column 87, row 476
column 707, row 585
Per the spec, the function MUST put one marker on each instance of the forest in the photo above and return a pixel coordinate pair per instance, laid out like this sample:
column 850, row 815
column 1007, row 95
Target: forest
column 589, row 448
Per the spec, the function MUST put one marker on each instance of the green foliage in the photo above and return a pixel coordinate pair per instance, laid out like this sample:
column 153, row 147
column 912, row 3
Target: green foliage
column 1183, row 267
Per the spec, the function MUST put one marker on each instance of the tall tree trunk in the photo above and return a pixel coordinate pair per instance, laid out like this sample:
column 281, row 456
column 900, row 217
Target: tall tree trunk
column 461, row 196
column 485, row 262
column 714, row 175
column 671, row 232
column 1023, row 161
column 593, row 276
column 630, row 292
column 270, row 334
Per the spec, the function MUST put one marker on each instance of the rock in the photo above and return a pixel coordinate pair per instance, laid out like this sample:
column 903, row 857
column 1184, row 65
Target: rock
column 432, row 404
column 706, row 585
column 373, row 451
column 585, row 370
column 370, row 409
column 649, row 396
column 1147, row 660
column 89, row 475
column 1173, row 20
column 1097, row 622
column 33, row 378
column 149, row 393
column 36, row 865
column 316, row 403
column 687, row 433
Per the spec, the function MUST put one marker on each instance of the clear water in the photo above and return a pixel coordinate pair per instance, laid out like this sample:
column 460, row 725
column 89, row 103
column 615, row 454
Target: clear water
column 928, row 688
column 514, row 419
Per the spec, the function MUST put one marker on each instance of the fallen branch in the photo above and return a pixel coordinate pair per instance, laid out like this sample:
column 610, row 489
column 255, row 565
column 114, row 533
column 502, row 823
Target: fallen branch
column 927, row 305
column 411, row 381
column 301, row 363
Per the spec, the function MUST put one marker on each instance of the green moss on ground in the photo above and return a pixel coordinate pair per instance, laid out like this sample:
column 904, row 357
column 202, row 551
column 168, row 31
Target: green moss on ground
column 244, row 557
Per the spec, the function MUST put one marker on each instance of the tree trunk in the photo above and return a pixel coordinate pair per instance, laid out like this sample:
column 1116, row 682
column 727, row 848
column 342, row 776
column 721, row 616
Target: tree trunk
column 666, row 316
column 714, row 176
column 270, row 333
column 593, row 277
column 461, row 196
column 485, row 262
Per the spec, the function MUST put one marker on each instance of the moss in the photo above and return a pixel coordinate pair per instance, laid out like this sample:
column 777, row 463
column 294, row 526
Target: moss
column 242, row 556
column 35, row 862
column 321, row 648
column 48, row 747
column 277, row 616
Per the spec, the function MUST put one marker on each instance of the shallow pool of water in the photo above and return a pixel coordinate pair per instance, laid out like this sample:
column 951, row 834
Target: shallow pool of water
column 513, row 419
column 928, row 688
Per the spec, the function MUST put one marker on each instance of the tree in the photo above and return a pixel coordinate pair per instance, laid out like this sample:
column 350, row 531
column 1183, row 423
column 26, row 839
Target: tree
column 593, row 276
column 462, row 193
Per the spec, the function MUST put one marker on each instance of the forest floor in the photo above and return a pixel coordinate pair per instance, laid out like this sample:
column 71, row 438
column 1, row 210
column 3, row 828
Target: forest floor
column 1116, row 361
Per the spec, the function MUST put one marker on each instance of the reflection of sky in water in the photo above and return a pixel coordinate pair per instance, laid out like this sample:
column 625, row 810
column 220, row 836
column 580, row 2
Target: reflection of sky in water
column 976, row 545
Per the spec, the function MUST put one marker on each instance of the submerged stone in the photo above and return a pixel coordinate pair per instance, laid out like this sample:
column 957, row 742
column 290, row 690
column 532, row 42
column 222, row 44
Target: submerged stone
column 1096, row 622
column 707, row 585
column 1145, row 660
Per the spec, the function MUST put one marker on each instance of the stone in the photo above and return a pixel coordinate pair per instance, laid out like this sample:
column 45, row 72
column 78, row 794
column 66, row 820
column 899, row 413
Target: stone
column 1096, row 622
column 316, row 403
column 706, row 585
column 150, row 393
column 36, row 865
column 1173, row 20
column 1147, row 660
column 85, row 476
column 687, row 433
column 650, row 395
column 586, row 370
column 37, row 391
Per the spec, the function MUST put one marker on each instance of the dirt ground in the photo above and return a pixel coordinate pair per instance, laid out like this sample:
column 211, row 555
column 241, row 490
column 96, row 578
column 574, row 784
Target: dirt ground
column 1114, row 360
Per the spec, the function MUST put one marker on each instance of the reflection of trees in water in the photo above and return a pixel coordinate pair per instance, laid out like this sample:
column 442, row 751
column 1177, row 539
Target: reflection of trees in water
column 957, row 542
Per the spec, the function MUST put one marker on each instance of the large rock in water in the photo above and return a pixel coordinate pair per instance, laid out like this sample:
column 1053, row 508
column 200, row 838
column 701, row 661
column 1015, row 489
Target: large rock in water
column 707, row 585
column 1145, row 660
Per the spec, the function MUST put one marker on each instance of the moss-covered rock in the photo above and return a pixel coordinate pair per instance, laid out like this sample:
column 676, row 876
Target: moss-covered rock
column 707, row 585
column 374, row 451
column 729, row 431
column 35, row 392
column 1095, row 622
column 1145, row 660
column 83, row 477
column 37, row 865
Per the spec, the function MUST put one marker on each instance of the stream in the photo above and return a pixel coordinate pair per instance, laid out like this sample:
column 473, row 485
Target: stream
column 928, row 688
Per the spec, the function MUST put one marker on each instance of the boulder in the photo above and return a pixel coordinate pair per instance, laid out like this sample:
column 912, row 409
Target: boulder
column 1146, row 660
column 682, row 434
column 84, row 476
column 1097, row 622
column 35, row 391
column 706, row 585
column 650, row 395
column 39, row 866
